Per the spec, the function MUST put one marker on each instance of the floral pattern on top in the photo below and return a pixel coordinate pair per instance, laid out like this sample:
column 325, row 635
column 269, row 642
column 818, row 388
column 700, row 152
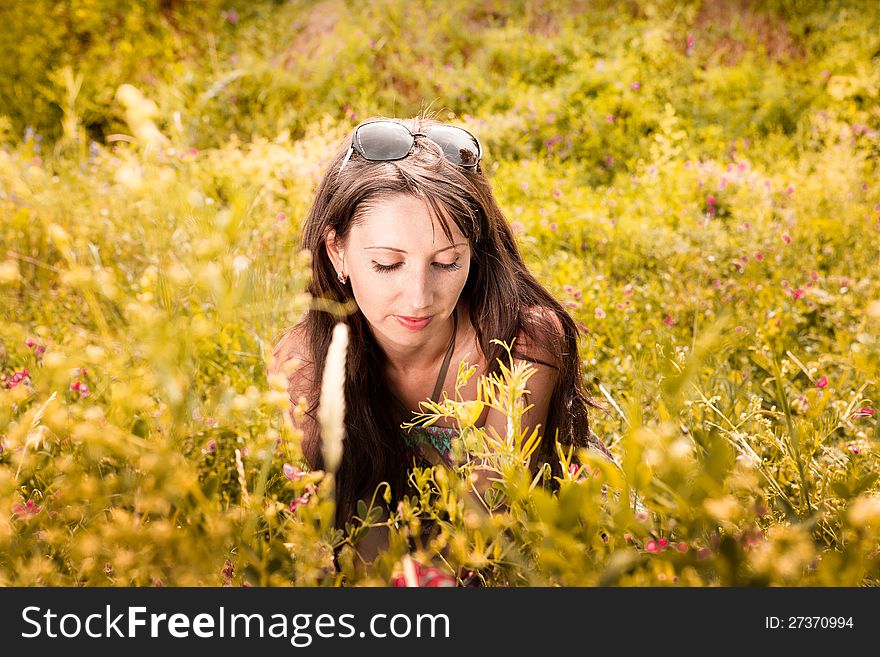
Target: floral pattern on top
column 440, row 438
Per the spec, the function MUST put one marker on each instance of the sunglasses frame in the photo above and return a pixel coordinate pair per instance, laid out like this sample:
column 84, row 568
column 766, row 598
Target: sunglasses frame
column 356, row 146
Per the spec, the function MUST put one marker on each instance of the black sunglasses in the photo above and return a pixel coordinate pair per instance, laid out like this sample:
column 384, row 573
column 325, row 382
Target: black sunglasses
column 384, row 141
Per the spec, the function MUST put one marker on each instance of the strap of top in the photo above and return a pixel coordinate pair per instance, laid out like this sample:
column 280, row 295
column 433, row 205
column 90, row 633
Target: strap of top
column 441, row 377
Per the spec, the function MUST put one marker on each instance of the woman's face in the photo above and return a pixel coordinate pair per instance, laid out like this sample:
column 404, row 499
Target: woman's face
column 405, row 274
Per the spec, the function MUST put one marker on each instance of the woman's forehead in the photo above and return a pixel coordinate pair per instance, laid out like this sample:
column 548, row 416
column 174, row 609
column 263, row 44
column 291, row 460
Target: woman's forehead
column 404, row 222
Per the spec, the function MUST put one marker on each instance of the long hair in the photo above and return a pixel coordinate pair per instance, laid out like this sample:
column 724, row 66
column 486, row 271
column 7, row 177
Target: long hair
column 500, row 292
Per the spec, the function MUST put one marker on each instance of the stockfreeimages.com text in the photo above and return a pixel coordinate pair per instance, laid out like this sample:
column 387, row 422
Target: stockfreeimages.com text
column 300, row 629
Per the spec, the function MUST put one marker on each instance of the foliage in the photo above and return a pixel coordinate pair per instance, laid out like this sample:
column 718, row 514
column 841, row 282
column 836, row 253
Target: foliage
column 699, row 189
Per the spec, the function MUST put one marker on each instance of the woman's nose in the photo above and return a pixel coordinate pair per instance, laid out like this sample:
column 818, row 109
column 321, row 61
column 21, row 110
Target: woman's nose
column 420, row 291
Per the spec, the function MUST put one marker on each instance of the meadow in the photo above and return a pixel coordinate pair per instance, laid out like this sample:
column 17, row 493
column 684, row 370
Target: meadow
column 697, row 181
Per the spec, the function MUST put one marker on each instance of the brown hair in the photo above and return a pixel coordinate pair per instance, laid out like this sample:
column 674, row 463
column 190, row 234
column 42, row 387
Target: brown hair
column 500, row 292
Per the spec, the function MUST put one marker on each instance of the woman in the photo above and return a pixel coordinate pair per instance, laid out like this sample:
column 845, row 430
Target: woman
column 405, row 224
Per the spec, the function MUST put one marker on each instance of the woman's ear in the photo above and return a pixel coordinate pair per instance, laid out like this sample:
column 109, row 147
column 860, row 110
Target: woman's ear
column 335, row 250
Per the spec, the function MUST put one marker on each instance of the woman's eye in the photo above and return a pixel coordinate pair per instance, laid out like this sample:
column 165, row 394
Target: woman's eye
column 452, row 266
column 381, row 268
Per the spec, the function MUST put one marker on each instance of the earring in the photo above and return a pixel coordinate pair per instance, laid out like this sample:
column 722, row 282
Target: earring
column 341, row 277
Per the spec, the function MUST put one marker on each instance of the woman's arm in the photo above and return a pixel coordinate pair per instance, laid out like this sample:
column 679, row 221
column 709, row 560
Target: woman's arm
column 541, row 357
column 290, row 361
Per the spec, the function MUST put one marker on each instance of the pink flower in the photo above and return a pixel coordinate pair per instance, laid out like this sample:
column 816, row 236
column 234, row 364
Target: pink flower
column 759, row 256
column 668, row 321
column 19, row 377
column 80, row 388
column 651, row 546
column 865, row 411
column 292, row 472
column 304, row 498
column 610, row 118
column 822, row 382
column 786, row 238
column 635, row 86
column 281, row 217
column 797, row 294
column 27, row 510
column 663, row 543
column 682, row 547
column 600, row 314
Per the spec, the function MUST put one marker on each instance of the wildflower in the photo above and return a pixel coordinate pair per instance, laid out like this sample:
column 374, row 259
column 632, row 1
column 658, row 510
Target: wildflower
column 19, row 377
column 304, row 498
column 417, row 575
column 610, row 118
column 759, row 256
column 230, row 16
column 600, row 314
column 80, row 388
column 822, row 382
column 228, row 570
column 682, row 547
column 210, row 446
column 635, row 86
column 786, row 238
column 662, row 543
column 651, row 546
column 292, row 472
column 27, row 510
column 797, row 294
column 865, row 411
column 668, row 321
column 38, row 348
column 280, row 217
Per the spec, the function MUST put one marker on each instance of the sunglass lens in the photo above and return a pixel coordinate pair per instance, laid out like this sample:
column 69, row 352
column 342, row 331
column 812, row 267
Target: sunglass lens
column 459, row 146
column 383, row 140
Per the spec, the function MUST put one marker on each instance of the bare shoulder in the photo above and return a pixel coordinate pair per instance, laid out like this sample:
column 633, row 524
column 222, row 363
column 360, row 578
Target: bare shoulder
column 290, row 353
column 292, row 359
column 541, row 337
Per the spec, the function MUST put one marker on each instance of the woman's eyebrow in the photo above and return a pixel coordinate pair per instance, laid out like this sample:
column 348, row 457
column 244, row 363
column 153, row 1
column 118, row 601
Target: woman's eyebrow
column 391, row 248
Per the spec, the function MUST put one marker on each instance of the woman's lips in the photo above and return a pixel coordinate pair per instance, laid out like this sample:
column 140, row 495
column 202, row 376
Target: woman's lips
column 413, row 323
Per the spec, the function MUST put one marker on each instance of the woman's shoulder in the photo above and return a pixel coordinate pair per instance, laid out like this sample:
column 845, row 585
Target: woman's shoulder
column 541, row 336
column 290, row 353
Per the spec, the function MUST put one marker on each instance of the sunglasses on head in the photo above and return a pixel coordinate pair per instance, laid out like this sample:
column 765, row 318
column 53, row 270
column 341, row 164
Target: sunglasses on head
column 384, row 141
